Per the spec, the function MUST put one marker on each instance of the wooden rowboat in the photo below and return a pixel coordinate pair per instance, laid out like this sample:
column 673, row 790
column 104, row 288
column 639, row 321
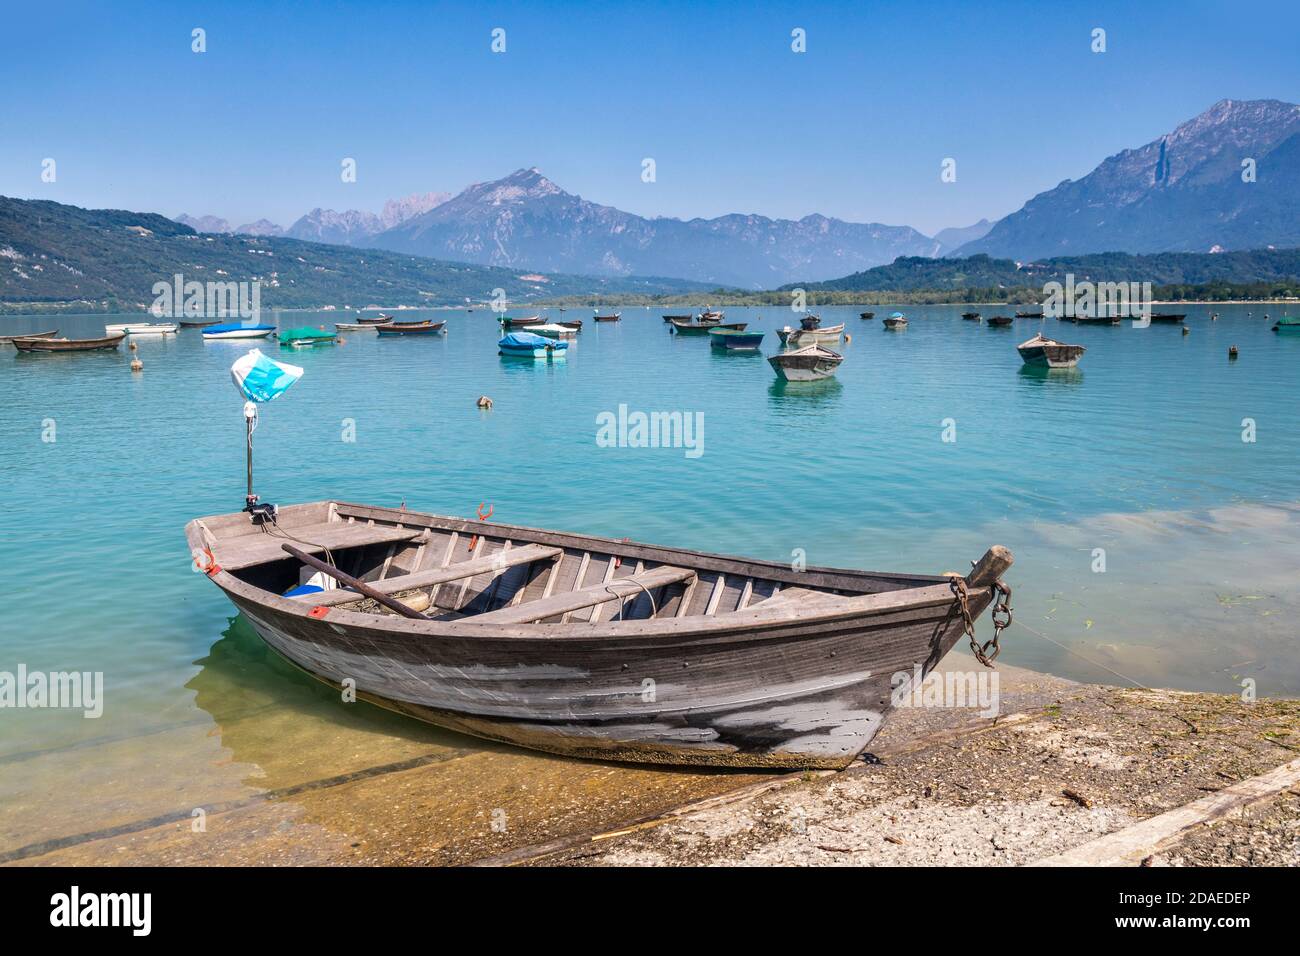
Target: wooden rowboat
column 971, row 316
column 1050, row 353
column 8, row 339
column 704, row 328
column 608, row 318
column 513, row 323
column 69, row 345
column 1030, row 314
column 866, row 315
column 808, row 364
column 199, row 324
column 999, row 321
column 585, row 646
column 355, row 326
column 817, row 335
column 411, row 328
column 678, row 318
column 1168, row 316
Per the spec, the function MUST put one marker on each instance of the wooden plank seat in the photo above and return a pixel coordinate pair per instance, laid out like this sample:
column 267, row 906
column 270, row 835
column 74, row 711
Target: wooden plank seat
column 614, row 590
column 250, row 549
column 500, row 561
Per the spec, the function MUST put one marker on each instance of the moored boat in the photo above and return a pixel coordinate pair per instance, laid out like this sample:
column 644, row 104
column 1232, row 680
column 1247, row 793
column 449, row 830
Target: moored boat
column 1170, row 317
column 866, row 315
column 998, row 321
column 735, row 340
column 1030, row 314
column 1050, row 353
column 553, row 330
column 529, row 345
column 971, row 316
column 679, row 318
column 305, row 337
column 614, row 317
column 1092, row 319
column 575, row 324
column 807, row 364
column 546, row 639
column 355, row 326
column 703, row 328
column 895, row 321
column 1288, row 323
column 709, row 316
column 810, row 332
column 9, row 339
column 198, row 323
column 238, row 330
column 374, row 320
column 510, row 322
column 143, row 328
column 68, row 345
column 426, row 327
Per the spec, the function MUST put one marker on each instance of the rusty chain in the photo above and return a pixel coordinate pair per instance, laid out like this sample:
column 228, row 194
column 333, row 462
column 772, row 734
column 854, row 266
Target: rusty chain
column 1001, row 614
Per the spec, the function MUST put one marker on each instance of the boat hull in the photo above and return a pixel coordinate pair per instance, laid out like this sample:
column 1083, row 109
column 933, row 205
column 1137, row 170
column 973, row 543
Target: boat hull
column 238, row 334
column 433, row 328
column 753, row 689
column 69, row 345
column 1051, row 356
column 805, row 337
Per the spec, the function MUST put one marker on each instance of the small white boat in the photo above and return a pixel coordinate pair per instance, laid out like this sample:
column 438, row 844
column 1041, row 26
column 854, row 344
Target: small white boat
column 143, row 328
column 237, row 330
column 810, row 332
column 807, row 364
column 552, row 331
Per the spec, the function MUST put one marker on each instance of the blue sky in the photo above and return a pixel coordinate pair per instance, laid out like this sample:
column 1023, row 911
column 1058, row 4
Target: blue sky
column 856, row 127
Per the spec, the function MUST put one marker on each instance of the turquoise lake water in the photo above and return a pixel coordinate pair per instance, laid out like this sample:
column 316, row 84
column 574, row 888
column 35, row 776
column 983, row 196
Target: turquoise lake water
column 1139, row 452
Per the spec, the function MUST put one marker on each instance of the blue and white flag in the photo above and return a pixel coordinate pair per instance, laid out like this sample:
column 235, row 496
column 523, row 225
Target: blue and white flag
column 261, row 379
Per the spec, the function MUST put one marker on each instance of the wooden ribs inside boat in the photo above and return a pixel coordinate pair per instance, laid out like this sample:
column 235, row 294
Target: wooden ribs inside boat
column 550, row 639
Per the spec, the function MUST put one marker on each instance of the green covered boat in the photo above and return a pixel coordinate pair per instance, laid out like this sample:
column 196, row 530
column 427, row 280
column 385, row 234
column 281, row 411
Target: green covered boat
column 1288, row 323
column 305, row 336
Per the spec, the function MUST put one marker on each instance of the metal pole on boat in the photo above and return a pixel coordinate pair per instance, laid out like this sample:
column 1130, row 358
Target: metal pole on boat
column 250, row 420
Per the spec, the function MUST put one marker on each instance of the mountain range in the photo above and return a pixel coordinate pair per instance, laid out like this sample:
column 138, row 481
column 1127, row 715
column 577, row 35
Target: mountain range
column 1227, row 179
column 56, row 256
column 349, row 228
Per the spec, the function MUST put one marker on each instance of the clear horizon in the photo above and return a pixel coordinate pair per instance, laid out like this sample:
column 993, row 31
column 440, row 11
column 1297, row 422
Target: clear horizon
column 856, row 127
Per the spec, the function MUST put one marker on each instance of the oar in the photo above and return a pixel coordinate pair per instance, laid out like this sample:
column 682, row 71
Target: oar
column 359, row 586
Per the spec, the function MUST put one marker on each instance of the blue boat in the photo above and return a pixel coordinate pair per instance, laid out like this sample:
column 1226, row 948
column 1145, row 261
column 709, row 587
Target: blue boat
column 735, row 340
column 238, row 330
column 530, row 345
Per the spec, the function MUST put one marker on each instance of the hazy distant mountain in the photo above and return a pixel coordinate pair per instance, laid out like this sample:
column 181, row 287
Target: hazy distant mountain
column 213, row 224
column 951, row 238
column 65, row 257
column 527, row 221
column 1181, row 192
column 262, row 227
column 355, row 226
column 397, row 211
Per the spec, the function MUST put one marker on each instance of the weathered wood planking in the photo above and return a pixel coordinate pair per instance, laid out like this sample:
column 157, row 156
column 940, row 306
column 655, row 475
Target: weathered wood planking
column 725, row 661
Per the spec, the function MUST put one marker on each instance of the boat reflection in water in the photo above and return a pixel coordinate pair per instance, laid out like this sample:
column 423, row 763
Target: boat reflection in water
column 1039, row 375
column 801, row 397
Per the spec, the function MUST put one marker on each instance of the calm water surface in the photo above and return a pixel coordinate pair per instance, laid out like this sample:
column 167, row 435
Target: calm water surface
column 1139, row 452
